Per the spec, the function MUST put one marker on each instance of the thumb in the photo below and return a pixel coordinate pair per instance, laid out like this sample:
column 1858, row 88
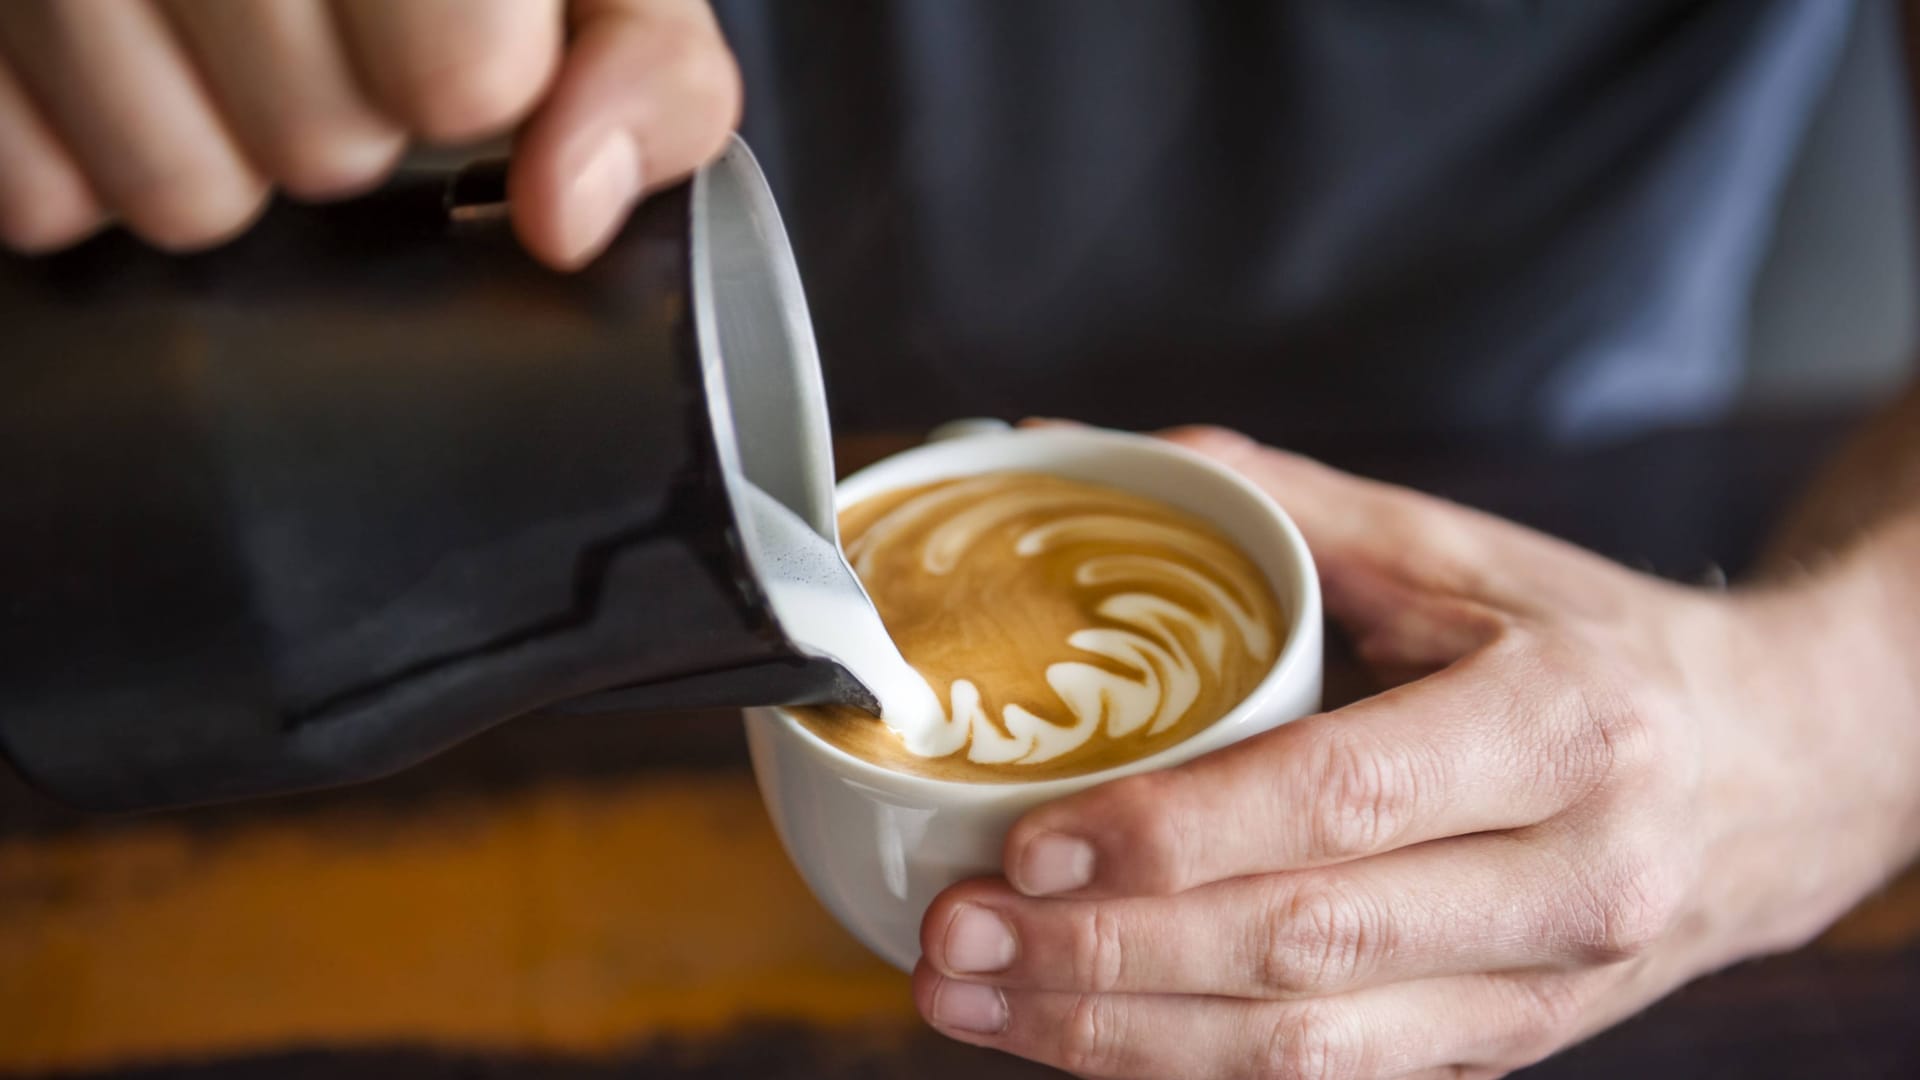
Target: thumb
column 647, row 93
column 1422, row 579
column 1394, row 569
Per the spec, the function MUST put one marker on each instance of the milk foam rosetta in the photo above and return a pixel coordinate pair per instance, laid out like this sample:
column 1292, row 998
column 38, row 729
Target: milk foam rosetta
column 1063, row 626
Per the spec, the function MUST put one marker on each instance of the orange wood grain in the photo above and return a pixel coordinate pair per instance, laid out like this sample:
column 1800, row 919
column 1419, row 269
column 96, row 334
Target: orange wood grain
column 1889, row 919
column 576, row 919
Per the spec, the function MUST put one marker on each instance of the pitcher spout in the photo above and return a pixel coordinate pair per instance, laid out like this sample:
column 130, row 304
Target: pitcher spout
column 774, row 682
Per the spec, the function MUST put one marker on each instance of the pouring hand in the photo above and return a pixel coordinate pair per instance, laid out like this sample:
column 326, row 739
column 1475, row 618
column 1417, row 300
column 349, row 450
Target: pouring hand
column 176, row 118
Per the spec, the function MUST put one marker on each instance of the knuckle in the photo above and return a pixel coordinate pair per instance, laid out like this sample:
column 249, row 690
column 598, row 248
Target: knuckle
column 1450, row 555
column 1574, row 766
column 1319, row 939
column 1595, row 728
column 1098, row 963
column 321, row 161
column 1361, row 799
column 33, row 225
column 1642, row 911
column 1549, row 1013
column 1088, row 1039
column 1556, row 709
column 697, row 61
column 21, row 232
column 1149, row 825
column 1622, row 731
column 1310, row 1042
column 1631, row 908
column 473, row 95
column 187, row 215
column 697, row 93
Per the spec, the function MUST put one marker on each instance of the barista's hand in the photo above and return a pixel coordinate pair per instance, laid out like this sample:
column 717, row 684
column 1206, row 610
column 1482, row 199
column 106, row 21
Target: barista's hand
column 176, row 117
column 1599, row 786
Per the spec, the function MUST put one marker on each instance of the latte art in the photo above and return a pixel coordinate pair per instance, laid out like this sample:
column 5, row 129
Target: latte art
column 1063, row 626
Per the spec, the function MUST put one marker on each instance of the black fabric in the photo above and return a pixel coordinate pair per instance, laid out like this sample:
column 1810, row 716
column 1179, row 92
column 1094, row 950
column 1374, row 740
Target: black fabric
column 1309, row 219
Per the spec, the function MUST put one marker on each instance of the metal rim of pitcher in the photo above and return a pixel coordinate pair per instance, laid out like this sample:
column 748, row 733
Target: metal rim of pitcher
column 769, row 412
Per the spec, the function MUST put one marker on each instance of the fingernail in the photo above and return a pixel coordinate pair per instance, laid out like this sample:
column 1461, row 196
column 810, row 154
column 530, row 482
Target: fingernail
column 597, row 201
column 978, row 941
column 1054, row 863
column 970, row 1007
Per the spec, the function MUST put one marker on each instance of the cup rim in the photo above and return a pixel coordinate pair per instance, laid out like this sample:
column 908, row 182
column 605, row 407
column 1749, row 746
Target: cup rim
column 1303, row 622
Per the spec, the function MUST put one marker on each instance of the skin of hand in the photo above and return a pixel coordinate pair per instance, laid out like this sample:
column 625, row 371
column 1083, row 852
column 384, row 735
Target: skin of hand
column 1586, row 787
column 177, row 118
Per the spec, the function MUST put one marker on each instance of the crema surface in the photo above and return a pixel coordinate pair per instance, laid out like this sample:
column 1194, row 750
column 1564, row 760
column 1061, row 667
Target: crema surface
column 1064, row 626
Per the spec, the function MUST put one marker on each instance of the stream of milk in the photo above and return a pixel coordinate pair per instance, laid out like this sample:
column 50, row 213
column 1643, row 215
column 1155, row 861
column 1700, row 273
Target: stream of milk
column 824, row 610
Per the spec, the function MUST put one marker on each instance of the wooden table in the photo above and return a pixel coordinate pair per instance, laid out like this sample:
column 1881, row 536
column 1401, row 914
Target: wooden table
column 600, row 897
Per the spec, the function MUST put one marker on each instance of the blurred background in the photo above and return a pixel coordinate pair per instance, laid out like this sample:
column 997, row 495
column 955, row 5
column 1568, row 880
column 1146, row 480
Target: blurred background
column 1832, row 322
column 1040, row 203
column 599, row 897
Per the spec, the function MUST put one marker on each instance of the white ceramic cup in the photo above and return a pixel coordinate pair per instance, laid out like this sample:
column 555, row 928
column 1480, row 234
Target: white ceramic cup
column 877, row 845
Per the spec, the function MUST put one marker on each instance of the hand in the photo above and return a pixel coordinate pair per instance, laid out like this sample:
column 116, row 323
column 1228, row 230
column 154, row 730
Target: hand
column 176, row 117
column 1596, row 786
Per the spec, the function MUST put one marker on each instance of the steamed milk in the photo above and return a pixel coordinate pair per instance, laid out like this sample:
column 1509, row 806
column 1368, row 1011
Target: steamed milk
column 822, row 607
column 1044, row 627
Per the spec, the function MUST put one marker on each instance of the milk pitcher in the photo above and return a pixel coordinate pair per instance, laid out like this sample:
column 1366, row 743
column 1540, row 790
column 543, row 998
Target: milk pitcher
column 367, row 480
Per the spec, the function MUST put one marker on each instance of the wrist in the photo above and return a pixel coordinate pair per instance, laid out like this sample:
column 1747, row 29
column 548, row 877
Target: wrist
column 1829, row 667
column 1807, row 794
column 1871, row 607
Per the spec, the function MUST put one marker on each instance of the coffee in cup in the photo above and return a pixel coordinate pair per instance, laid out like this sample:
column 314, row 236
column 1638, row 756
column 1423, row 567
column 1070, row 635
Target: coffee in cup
column 876, row 842
column 1064, row 627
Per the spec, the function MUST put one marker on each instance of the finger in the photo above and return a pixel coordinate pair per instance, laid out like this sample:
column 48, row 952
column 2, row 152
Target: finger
column 45, row 203
column 648, row 93
column 109, row 77
column 1494, row 742
column 1376, row 543
column 1467, row 906
column 287, row 90
column 1475, row 1022
column 454, row 70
